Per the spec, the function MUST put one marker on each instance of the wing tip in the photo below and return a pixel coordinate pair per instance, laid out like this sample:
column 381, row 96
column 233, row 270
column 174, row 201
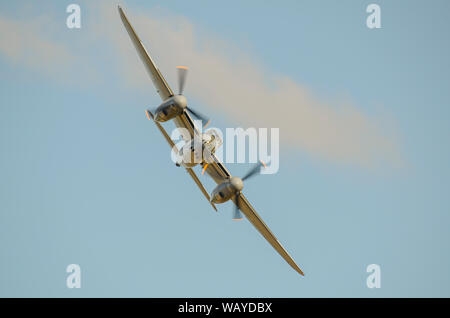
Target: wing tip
column 298, row 270
column 122, row 15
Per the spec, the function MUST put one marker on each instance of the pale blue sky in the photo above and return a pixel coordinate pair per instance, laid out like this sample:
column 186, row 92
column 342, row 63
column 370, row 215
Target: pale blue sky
column 85, row 177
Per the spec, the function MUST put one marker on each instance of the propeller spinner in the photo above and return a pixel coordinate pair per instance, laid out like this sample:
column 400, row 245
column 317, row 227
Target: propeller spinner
column 177, row 105
column 237, row 215
column 231, row 189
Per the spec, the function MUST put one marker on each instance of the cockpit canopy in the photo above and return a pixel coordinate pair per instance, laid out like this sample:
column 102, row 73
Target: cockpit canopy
column 212, row 136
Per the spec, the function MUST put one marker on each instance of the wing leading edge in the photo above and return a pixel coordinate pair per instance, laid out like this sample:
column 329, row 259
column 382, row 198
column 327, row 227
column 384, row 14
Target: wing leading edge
column 216, row 170
column 163, row 89
column 158, row 80
column 262, row 228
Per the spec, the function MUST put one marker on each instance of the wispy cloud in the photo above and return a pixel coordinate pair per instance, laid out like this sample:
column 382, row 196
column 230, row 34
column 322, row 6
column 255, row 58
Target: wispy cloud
column 24, row 42
column 229, row 81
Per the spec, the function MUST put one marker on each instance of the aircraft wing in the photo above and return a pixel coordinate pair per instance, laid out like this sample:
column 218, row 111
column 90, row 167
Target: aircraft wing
column 215, row 169
column 259, row 224
column 189, row 170
column 158, row 80
column 163, row 89
column 218, row 172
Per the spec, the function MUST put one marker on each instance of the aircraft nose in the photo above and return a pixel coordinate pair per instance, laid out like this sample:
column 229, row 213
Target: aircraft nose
column 213, row 198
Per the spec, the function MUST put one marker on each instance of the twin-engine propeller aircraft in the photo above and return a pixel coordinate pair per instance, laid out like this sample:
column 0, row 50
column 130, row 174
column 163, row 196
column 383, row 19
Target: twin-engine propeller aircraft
column 174, row 107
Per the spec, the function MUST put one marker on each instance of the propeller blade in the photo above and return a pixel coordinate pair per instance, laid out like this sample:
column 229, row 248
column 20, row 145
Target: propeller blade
column 150, row 111
column 237, row 216
column 182, row 73
column 254, row 170
column 147, row 112
column 198, row 115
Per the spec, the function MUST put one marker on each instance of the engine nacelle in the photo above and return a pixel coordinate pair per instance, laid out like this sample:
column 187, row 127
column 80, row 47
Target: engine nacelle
column 170, row 108
column 226, row 190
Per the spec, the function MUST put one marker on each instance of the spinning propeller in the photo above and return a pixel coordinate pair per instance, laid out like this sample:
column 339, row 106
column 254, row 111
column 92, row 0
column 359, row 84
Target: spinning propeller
column 182, row 75
column 237, row 215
